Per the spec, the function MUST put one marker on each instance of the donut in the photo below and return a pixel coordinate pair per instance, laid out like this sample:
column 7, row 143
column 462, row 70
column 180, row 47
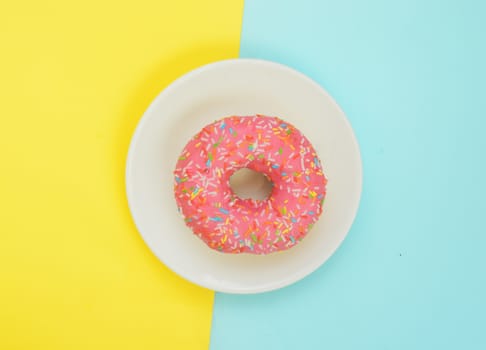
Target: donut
column 230, row 224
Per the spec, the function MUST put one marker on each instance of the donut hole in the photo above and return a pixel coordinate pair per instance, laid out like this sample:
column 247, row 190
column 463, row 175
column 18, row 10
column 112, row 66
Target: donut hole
column 250, row 184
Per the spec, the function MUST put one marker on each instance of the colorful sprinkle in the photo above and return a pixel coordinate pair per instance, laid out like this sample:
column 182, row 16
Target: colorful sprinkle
column 195, row 193
column 224, row 211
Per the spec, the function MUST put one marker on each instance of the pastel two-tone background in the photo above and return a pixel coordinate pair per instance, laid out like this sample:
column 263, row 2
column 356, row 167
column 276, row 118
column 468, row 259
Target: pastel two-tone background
column 75, row 77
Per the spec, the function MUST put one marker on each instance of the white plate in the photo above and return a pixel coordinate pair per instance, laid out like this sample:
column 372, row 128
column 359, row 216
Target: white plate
column 239, row 87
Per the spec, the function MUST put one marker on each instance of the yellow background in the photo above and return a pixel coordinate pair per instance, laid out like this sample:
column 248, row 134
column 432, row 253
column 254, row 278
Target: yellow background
column 74, row 80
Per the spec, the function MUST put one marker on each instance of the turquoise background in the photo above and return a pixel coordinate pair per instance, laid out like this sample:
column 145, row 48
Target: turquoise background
column 411, row 76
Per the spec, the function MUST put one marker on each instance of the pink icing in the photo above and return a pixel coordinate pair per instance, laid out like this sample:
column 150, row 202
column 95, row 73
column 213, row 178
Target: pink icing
column 231, row 224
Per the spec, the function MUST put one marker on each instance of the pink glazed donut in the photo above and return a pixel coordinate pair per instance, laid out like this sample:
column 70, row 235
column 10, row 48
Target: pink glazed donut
column 230, row 224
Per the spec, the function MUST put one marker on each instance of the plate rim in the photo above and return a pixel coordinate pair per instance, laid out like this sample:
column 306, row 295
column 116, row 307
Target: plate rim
column 148, row 115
